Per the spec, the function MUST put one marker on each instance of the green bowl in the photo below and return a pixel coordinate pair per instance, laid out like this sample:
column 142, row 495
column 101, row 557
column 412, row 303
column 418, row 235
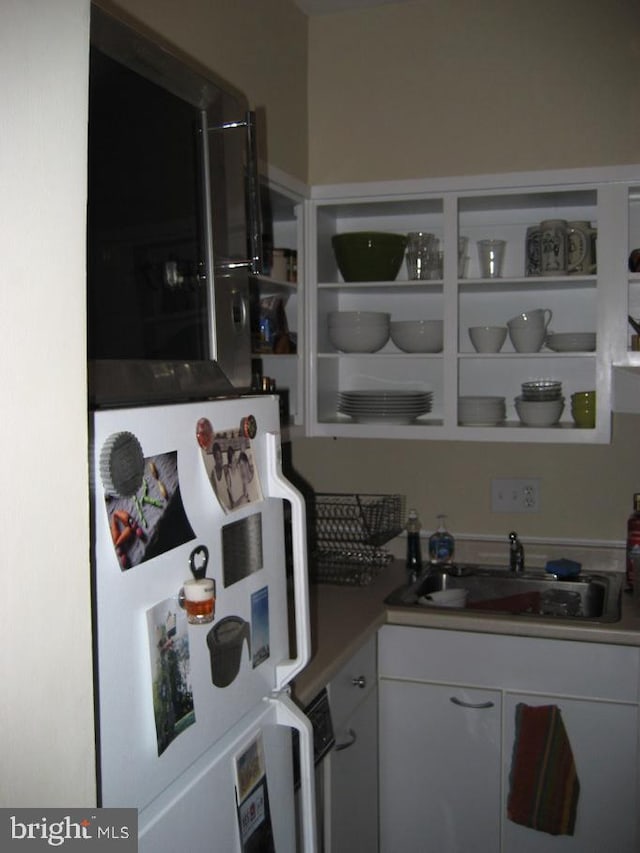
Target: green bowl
column 369, row 255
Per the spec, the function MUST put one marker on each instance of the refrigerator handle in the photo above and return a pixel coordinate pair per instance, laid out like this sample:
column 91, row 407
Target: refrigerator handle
column 254, row 213
column 255, row 263
column 288, row 714
column 280, row 487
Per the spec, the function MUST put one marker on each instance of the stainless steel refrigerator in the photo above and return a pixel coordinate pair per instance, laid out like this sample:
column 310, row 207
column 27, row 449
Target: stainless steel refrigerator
column 195, row 719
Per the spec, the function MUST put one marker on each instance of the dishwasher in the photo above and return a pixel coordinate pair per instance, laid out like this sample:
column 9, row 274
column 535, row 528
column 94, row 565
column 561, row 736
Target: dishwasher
column 319, row 713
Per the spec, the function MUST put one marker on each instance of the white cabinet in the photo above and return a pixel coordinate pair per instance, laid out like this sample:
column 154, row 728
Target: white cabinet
column 603, row 738
column 626, row 359
column 475, row 208
column 352, row 766
column 447, row 728
column 439, row 767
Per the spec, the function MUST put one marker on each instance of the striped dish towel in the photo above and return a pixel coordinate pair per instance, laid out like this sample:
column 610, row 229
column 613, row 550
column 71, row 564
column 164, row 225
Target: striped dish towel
column 544, row 785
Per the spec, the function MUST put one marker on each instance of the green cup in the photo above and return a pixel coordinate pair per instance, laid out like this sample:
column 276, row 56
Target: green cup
column 584, row 399
column 584, row 418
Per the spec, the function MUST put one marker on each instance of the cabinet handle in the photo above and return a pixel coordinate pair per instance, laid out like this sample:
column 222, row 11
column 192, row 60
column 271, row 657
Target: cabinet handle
column 345, row 744
column 475, row 705
column 359, row 681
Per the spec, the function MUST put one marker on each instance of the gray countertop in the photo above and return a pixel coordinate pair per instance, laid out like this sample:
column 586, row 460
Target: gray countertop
column 344, row 617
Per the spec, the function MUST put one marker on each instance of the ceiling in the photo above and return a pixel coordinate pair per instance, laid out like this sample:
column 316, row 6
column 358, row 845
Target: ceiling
column 325, row 7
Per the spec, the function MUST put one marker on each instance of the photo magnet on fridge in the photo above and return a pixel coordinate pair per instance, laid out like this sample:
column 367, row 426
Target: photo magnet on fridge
column 252, row 797
column 153, row 520
column 172, row 693
column 260, row 626
column 230, row 466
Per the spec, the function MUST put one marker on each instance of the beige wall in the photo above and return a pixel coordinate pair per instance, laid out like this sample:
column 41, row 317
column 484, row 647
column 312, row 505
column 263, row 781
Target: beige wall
column 437, row 88
column 260, row 47
column 586, row 492
column 46, row 708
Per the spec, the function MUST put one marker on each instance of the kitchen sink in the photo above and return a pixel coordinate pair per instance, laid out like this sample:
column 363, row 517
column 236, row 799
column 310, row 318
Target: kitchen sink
column 591, row 598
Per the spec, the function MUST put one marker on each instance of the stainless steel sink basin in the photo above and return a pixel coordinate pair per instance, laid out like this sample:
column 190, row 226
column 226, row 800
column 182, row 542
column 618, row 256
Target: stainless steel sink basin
column 593, row 597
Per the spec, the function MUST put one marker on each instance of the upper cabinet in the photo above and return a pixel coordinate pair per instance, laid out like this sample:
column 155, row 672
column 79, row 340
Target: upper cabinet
column 592, row 297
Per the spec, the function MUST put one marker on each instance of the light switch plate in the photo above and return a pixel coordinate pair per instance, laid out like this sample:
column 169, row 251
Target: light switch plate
column 515, row 495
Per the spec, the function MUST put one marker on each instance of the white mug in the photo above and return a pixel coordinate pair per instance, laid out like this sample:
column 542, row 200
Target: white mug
column 488, row 338
column 581, row 248
column 553, row 247
column 528, row 338
column 535, row 317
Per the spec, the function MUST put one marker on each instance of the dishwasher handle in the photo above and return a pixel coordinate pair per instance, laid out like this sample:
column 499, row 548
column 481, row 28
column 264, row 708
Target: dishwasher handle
column 478, row 706
column 347, row 744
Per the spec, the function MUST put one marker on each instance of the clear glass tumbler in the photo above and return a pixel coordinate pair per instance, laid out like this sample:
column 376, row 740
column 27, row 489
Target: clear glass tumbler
column 421, row 247
column 491, row 257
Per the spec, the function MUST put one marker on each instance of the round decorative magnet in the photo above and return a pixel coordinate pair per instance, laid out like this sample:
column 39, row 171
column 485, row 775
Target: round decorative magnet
column 248, row 427
column 122, row 465
column 205, row 434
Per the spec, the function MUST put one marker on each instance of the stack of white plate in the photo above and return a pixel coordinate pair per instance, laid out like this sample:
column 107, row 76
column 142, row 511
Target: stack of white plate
column 481, row 411
column 571, row 341
column 394, row 407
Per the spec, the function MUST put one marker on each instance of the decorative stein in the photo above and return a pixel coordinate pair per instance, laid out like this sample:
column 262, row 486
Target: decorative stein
column 532, row 251
column 580, row 248
column 553, row 247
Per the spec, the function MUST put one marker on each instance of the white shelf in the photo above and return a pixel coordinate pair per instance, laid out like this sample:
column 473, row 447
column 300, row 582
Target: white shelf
column 499, row 206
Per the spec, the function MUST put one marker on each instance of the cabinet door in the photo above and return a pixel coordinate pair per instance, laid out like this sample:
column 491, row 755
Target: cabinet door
column 603, row 738
column 439, row 768
column 353, row 791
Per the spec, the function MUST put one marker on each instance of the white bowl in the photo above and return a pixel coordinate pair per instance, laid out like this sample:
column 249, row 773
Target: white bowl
column 357, row 319
column 488, row 338
column 354, row 339
column 417, row 335
column 480, row 403
column 539, row 413
column 481, row 411
column 445, row 598
column 571, row 341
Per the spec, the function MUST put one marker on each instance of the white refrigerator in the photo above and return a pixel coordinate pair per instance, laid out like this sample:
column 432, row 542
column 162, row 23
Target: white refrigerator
column 194, row 715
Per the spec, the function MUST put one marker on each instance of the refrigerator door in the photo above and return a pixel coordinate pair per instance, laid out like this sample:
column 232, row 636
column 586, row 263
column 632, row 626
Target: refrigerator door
column 168, row 691
column 239, row 795
column 173, row 227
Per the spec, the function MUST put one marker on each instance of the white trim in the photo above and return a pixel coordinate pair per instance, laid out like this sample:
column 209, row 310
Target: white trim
column 465, row 183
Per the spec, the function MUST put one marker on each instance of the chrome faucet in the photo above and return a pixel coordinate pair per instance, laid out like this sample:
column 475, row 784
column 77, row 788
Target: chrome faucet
column 516, row 553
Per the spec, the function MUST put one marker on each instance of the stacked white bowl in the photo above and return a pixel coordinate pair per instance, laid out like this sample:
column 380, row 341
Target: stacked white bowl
column 417, row 335
column 541, row 403
column 481, row 411
column 571, row 341
column 358, row 331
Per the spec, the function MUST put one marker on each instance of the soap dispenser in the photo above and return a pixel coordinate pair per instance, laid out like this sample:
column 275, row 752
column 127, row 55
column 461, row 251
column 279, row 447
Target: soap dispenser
column 414, row 552
column 441, row 543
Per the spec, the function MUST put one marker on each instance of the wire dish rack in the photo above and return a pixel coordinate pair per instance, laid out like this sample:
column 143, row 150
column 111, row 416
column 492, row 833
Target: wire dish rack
column 346, row 535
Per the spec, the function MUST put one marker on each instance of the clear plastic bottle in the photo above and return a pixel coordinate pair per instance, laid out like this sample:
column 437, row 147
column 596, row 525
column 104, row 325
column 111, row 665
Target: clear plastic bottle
column 441, row 543
column 633, row 544
column 414, row 551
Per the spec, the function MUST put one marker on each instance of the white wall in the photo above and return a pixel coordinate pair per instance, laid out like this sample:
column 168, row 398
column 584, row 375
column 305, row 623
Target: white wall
column 46, row 704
